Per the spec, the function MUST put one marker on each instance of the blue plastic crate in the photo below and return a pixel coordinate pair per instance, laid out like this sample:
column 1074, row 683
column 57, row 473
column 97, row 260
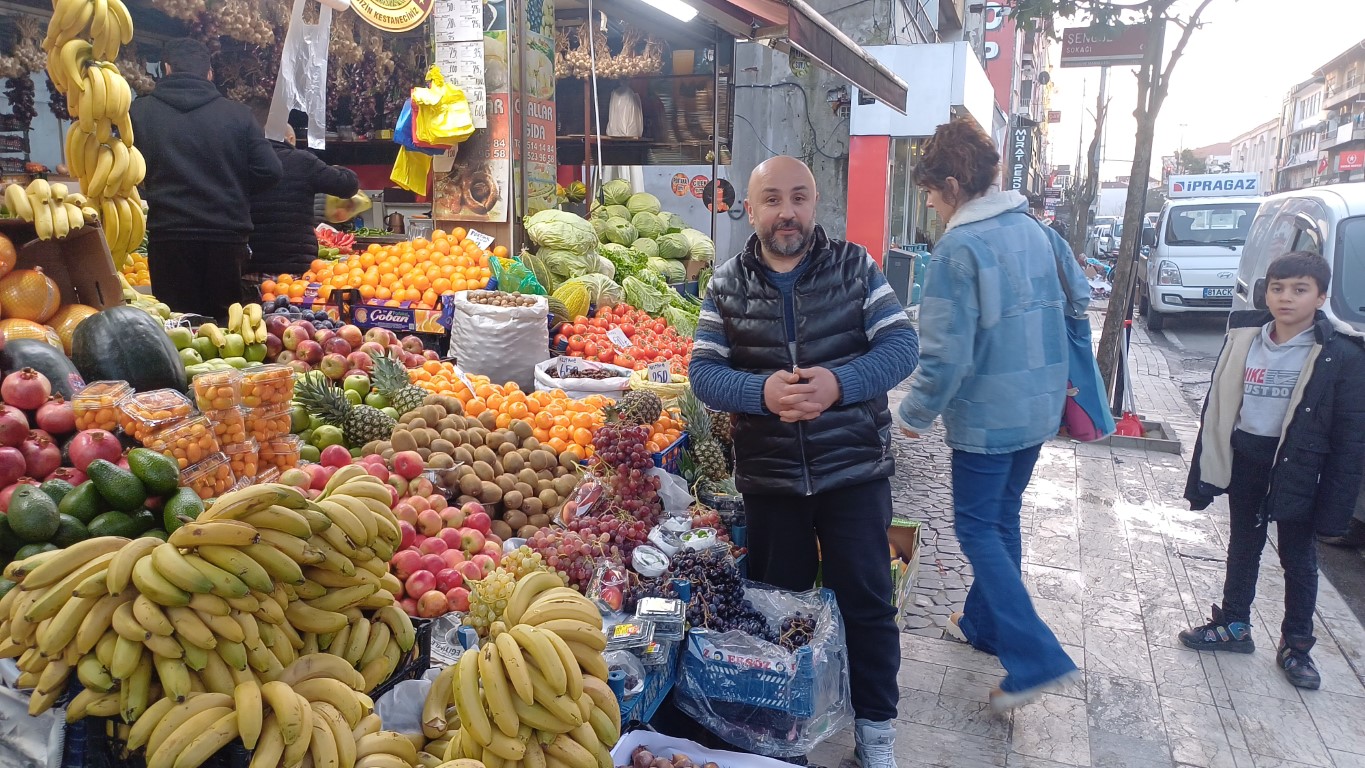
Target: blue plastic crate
column 791, row 690
column 658, row 684
column 670, row 458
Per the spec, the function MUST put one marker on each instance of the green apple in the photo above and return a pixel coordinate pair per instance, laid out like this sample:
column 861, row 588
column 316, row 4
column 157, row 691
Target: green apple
column 310, row 453
column 358, row 384
column 327, row 435
column 204, row 346
column 306, row 436
column 357, row 452
column 189, row 357
column 298, row 419
column 237, row 362
column 391, row 412
column 314, row 422
column 376, row 400
column 195, row 370
column 353, row 397
column 181, row 336
column 235, row 346
column 255, row 353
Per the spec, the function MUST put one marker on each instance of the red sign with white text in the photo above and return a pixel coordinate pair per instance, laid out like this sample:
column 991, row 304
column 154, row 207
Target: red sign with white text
column 1351, row 161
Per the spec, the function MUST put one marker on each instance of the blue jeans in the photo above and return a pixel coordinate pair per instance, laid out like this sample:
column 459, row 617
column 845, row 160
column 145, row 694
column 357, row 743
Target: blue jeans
column 998, row 617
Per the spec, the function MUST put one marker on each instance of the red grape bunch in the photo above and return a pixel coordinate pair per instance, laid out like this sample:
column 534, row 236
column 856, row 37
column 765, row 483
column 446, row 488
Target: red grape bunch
column 573, row 554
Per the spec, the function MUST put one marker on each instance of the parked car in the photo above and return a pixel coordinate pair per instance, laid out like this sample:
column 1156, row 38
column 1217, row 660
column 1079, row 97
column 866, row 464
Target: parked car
column 1192, row 266
column 1328, row 220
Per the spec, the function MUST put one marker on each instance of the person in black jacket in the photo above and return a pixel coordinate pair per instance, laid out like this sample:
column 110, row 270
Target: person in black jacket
column 205, row 157
column 1283, row 435
column 284, row 239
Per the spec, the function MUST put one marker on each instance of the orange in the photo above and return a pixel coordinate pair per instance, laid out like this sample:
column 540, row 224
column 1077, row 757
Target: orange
column 268, row 286
column 517, row 410
column 500, row 251
column 558, row 445
column 582, row 436
column 475, row 407
column 503, row 421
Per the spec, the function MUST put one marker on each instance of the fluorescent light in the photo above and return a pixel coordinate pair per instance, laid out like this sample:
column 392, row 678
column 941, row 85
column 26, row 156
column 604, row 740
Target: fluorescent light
column 675, row 8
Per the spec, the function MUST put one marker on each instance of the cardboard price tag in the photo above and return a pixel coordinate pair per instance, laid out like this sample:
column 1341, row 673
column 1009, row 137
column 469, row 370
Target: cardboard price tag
column 619, row 339
column 460, row 374
column 479, row 238
column 569, row 364
column 660, row 374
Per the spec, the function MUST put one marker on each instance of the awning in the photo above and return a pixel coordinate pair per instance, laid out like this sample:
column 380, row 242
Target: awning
column 795, row 25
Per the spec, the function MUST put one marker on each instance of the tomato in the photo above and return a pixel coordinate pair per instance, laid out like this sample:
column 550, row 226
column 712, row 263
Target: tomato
column 576, row 343
column 659, row 326
column 606, row 356
column 580, row 328
column 590, row 349
column 628, row 330
column 625, row 361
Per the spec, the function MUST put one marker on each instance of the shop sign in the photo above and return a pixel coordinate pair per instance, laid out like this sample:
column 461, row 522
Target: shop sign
column 1351, row 161
column 1214, row 184
column 1054, row 116
column 680, row 184
column 699, row 186
column 393, row 15
column 1020, row 156
column 1104, row 46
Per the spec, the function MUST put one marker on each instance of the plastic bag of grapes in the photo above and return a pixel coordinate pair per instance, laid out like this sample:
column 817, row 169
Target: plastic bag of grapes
column 770, row 673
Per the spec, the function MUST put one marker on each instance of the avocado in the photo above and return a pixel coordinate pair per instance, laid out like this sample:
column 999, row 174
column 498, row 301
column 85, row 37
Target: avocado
column 84, row 502
column 69, row 531
column 56, row 489
column 118, row 486
column 114, row 524
column 5, row 586
column 29, row 550
column 185, row 503
column 151, row 533
column 145, row 519
column 9, row 543
column 158, row 472
column 33, row 514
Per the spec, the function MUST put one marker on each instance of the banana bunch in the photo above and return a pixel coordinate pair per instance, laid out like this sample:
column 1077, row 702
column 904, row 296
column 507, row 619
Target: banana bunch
column 144, row 301
column 82, row 43
column 536, row 695
column 247, row 320
column 53, row 211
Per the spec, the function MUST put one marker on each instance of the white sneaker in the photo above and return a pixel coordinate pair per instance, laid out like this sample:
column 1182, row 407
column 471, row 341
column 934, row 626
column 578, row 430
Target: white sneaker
column 876, row 744
column 1003, row 701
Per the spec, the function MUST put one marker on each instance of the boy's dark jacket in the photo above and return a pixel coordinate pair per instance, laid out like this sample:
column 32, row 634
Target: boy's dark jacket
column 1318, row 464
column 284, row 215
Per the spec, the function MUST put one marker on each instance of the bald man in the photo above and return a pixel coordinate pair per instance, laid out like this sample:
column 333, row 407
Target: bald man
column 800, row 338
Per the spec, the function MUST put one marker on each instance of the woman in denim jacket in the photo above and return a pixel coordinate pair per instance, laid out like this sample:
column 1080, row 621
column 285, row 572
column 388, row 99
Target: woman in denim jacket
column 993, row 362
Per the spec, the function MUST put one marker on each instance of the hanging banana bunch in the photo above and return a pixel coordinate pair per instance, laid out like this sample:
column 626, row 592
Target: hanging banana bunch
column 82, row 43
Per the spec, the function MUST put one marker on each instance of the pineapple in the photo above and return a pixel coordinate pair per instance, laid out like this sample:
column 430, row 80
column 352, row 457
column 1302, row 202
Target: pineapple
column 391, row 379
column 709, row 454
column 360, row 424
column 721, row 427
column 640, row 407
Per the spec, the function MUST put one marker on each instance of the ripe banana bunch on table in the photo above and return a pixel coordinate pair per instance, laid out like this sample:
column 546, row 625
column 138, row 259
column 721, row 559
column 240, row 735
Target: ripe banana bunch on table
column 82, row 42
column 247, row 320
column 536, row 694
column 53, row 211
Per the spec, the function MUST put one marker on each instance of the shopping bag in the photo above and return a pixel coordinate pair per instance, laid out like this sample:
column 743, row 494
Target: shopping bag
column 441, row 115
column 411, row 170
column 1085, row 415
column 302, row 80
column 339, row 209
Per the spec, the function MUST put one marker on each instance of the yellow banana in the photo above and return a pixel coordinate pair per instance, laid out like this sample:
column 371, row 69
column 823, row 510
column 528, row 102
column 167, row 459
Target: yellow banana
column 75, row 218
column 322, row 665
column 276, row 563
column 136, row 691
column 323, row 748
column 525, row 592
column 250, row 712
column 579, row 608
column 466, row 687
column 573, row 677
column 121, row 566
column 155, row 586
column 386, row 742
column 547, row 659
column 590, row 661
column 143, row 726
column 52, row 570
column 381, row 668
column 225, row 584
column 334, row 693
column 125, row 21
column 212, row 605
column 216, row 674
column 176, row 742
column 51, row 599
column 196, row 657
column 340, row 732
column 569, row 752
column 192, row 628
column 16, row 199
column 296, row 752
column 61, row 227
column 559, row 705
column 174, row 676
column 497, row 692
column 310, row 619
column 236, row 562
column 589, row 634
column 400, row 624
column 368, row 725
column 233, row 653
column 182, row 713
column 218, row 735
column 151, row 617
column 359, row 640
column 225, row 533
column 94, row 675
column 126, row 625
column 74, row 55
column 278, row 518
column 518, row 675
column 178, row 570
column 438, row 698
column 56, row 635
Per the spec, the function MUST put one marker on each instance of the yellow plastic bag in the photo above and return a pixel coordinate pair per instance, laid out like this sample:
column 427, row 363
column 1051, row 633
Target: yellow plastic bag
column 410, row 171
column 441, row 116
column 340, row 209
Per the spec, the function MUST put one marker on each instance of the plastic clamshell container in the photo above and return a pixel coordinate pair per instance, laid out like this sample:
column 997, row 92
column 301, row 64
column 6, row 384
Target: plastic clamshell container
column 668, row 615
column 266, row 385
column 143, row 413
column 632, row 634
column 218, row 390
column 188, row 441
column 209, row 478
column 97, row 405
column 244, row 458
column 281, row 452
column 267, row 423
column 229, row 426
column 268, row 474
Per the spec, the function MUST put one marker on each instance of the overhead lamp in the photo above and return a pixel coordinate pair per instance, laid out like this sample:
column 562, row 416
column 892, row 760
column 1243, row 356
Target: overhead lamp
column 675, row 8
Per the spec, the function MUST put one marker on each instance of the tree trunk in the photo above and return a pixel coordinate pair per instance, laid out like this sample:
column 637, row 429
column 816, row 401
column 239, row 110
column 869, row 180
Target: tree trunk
column 1085, row 197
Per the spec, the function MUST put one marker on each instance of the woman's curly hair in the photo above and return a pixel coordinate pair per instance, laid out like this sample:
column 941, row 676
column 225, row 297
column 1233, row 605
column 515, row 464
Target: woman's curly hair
column 961, row 150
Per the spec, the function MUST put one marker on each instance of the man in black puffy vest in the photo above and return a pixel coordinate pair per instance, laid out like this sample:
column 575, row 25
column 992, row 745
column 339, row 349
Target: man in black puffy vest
column 801, row 337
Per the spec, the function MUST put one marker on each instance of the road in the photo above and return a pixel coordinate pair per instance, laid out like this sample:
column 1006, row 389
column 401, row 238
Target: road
column 1191, row 347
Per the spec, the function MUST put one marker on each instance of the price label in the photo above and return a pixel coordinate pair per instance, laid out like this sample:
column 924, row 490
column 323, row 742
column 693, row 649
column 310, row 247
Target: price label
column 619, row 339
column 460, row 374
column 479, row 238
column 659, row 373
column 569, row 365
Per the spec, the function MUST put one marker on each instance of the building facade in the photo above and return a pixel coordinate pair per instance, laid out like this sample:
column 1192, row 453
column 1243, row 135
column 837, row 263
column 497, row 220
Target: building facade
column 1254, row 152
column 1342, row 143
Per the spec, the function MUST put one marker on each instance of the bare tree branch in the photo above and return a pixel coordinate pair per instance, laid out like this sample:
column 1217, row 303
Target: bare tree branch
column 1186, row 29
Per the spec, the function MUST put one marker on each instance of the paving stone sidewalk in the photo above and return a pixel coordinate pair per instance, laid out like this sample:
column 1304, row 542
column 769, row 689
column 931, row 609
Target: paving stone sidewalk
column 1117, row 565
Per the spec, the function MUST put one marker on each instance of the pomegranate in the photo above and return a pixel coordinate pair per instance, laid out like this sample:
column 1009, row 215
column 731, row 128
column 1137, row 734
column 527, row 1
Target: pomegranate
column 9, row 490
column 56, row 416
column 26, row 389
column 11, row 466
column 13, row 426
column 73, row 476
column 94, row 444
column 41, row 455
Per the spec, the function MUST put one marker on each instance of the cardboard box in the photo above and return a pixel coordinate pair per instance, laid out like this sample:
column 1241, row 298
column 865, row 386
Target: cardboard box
column 80, row 263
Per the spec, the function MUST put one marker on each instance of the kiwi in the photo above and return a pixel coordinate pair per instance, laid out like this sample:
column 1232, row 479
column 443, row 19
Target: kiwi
column 448, row 423
column 489, row 420
column 387, row 455
column 417, row 423
column 491, row 492
column 531, row 506
column 522, row 429
column 407, row 417
column 546, row 474
column 462, row 455
column 569, row 458
column 440, row 460
column 431, row 414
column 465, row 470
column 513, row 462
column 464, row 499
column 544, row 485
column 505, row 482
column 403, row 441
column 452, row 405
column 501, row 529
column 548, row 499
column 525, row 489
column 530, row 443
column 451, row 477
column 423, row 437
column 485, row 454
column 474, row 437
column 527, row 476
column 484, row 470
column 441, row 445
column 425, row 453
column 507, row 448
column 469, row 485
column 527, row 531
column 494, row 440
column 512, row 500
column 537, row 460
column 564, row 486
column 539, row 521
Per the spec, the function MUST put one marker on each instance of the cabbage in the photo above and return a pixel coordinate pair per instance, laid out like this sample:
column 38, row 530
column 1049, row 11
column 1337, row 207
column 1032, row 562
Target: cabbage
column 605, row 266
column 651, row 294
column 682, row 321
column 620, row 231
column 599, row 225
column 619, row 212
column 673, row 222
column 643, row 202
column 626, row 260
column 700, row 247
column 599, row 211
column 645, row 247
column 568, row 263
column 562, row 230
column 603, row 291
column 616, row 192
column 673, row 271
column 648, row 224
column 673, row 246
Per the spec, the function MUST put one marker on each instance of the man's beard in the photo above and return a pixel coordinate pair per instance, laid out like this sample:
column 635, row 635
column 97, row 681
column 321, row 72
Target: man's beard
column 786, row 243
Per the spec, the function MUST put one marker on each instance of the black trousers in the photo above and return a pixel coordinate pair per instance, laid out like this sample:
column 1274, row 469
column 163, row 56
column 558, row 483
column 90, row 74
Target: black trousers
column 199, row 276
column 1253, row 458
column 850, row 527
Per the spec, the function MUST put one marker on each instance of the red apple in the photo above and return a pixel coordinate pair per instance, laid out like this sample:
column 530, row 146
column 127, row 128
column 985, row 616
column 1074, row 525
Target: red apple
column 409, row 606
column 412, row 344
column 300, row 367
column 285, row 357
column 336, row 456
column 479, row 521
column 405, row 513
column 458, row 599
column 378, row 469
column 438, row 502
column 485, row 563
column 381, row 336
column 295, row 335
column 408, row 534
column 448, row 579
column 352, row 335
column 406, row 562
column 432, row 563
column 319, row 476
column 418, row 503
column 493, row 549
column 420, row 583
column 296, row 477
column 421, row 486
column 333, row 367
column 372, row 348
column 409, row 464
column 399, row 485
column 323, row 336
column 470, row 570
column 430, row 354
column 360, row 361
column 429, row 523
column 432, row 604
column 471, row 540
column 336, row 346
column 273, row 346
column 309, row 351
column 434, row 545
column 453, row 557
column 453, row 516
column 307, row 326
column 452, row 538
column 275, row 325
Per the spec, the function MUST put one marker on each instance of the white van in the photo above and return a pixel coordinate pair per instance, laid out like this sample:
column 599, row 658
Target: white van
column 1327, row 220
column 1192, row 265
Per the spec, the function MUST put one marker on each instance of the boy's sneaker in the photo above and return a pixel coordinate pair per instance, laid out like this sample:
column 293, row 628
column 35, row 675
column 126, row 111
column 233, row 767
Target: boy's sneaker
column 1354, row 537
column 1298, row 666
column 875, row 744
column 954, row 628
column 1220, row 635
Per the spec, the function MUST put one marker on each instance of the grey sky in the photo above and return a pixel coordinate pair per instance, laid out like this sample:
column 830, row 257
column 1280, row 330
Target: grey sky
column 1233, row 76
